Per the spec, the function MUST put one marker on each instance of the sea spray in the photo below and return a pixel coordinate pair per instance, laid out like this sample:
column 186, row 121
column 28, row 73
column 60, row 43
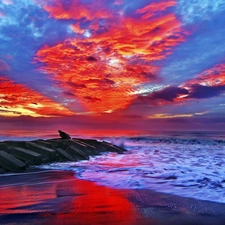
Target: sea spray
column 186, row 167
column 117, row 141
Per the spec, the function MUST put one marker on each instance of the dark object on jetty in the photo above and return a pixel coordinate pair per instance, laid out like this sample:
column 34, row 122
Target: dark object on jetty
column 64, row 135
column 19, row 155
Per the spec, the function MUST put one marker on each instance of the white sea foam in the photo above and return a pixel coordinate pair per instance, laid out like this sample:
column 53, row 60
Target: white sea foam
column 186, row 167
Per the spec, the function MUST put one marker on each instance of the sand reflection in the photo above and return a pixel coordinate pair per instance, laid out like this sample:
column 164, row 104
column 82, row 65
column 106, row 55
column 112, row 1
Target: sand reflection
column 58, row 197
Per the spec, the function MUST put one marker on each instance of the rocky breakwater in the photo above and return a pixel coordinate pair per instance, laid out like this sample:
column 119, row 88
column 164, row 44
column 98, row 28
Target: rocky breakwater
column 19, row 155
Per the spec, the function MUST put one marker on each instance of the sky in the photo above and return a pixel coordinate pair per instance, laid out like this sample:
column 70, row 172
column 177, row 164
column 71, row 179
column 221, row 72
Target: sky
column 112, row 66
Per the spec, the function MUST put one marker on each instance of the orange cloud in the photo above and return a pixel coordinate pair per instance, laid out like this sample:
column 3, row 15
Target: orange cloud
column 17, row 100
column 76, row 28
column 212, row 77
column 103, row 66
column 168, row 116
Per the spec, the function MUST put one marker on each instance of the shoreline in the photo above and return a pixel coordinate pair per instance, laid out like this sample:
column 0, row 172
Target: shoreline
column 45, row 196
column 41, row 196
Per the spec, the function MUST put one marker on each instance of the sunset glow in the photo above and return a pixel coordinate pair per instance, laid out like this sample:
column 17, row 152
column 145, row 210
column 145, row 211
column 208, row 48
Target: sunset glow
column 139, row 60
column 17, row 100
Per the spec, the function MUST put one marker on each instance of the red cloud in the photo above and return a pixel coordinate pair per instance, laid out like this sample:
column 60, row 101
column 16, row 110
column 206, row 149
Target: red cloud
column 17, row 99
column 212, row 77
column 76, row 10
column 104, row 67
column 208, row 84
column 151, row 9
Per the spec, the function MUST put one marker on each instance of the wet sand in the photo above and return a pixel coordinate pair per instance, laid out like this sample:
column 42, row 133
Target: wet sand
column 58, row 197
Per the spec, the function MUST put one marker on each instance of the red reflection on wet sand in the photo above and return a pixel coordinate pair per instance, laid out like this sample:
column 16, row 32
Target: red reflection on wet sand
column 13, row 199
column 60, row 198
column 99, row 205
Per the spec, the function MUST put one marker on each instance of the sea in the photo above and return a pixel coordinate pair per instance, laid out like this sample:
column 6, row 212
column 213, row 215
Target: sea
column 187, row 164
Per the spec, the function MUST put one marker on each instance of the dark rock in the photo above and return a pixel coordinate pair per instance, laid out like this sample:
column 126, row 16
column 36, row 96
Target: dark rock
column 10, row 144
column 10, row 163
column 77, row 153
column 57, row 143
column 86, row 144
column 13, row 154
column 92, row 142
column 76, row 144
column 73, row 143
column 44, row 151
column 64, row 135
column 44, row 143
column 26, row 155
column 90, row 149
column 112, row 148
column 64, row 155
column 122, row 150
column 4, row 147
column 86, row 148
column 97, row 146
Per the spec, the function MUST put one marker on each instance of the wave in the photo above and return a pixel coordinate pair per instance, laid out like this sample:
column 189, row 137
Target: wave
column 156, row 140
column 187, row 167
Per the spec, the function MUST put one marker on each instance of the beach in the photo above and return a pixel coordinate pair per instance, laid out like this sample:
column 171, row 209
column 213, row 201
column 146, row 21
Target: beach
column 59, row 197
column 165, row 180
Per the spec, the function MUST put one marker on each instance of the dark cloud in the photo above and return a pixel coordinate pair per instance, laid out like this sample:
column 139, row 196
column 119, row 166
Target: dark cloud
column 68, row 93
column 169, row 93
column 149, row 75
column 217, row 120
column 101, row 82
column 108, row 81
column 200, row 91
column 74, row 85
column 91, row 59
column 184, row 120
column 10, row 111
column 198, row 120
column 89, row 98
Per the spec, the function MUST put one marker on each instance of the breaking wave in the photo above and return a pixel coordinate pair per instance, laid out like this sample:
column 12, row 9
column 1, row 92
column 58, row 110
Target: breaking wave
column 188, row 167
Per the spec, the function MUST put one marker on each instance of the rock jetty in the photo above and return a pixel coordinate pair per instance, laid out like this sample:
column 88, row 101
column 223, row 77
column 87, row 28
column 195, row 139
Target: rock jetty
column 19, row 155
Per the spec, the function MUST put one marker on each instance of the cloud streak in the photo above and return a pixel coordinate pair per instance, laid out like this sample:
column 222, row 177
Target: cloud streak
column 18, row 100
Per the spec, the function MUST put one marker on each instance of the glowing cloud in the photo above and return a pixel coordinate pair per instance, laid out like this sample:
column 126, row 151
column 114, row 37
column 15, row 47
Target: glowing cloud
column 167, row 116
column 76, row 10
column 111, row 54
column 211, row 77
column 18, row 100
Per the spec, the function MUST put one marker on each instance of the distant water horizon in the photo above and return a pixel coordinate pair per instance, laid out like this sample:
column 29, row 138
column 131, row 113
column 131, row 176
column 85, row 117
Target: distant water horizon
column 48, row 134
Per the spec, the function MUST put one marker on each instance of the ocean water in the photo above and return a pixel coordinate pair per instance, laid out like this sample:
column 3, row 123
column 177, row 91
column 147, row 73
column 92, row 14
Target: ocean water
column 187, row 164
